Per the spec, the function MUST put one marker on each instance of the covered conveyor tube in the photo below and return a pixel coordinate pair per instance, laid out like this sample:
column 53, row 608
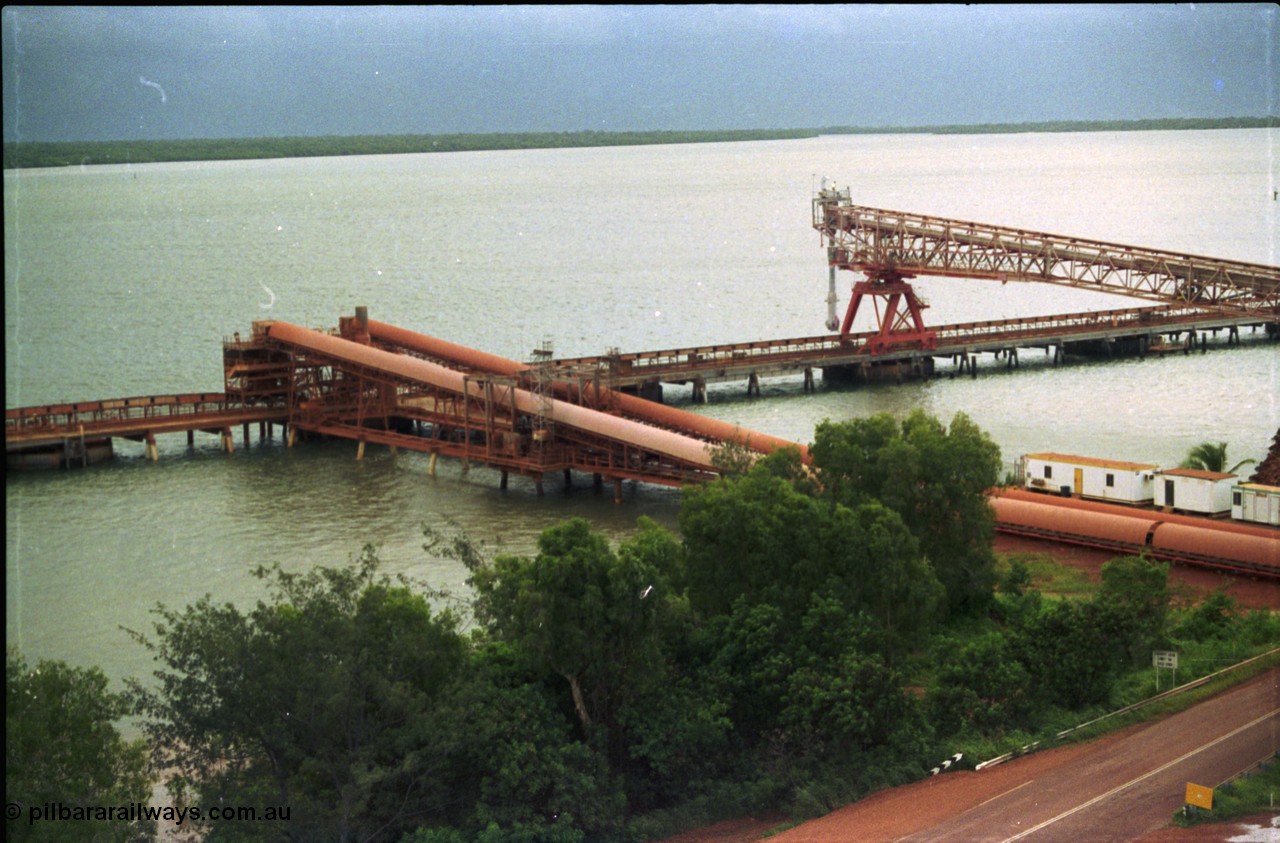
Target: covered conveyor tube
column 629, row 405
column 1249, row 548
column 685, row 449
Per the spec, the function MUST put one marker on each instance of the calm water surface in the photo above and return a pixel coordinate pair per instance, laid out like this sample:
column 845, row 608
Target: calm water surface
column 123, row 280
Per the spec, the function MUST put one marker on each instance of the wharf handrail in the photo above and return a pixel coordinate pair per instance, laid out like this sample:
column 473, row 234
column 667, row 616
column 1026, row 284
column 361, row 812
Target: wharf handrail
column 1013, row 329
column 1158, row 320
column 73, row 414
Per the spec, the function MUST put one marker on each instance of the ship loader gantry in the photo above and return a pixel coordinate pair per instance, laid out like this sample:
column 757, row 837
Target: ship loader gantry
column 891, row 247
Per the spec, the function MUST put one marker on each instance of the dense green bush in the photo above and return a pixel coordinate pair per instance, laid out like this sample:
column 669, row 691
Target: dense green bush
column 791, row 650
column 62, row 748
column 980, row 683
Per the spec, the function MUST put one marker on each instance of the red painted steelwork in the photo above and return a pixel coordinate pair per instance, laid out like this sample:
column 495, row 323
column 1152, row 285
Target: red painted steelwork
column 627, row 405
column 1086, row 527
column 873, row 240
column 133, row 417
column 693, row 452
column 1150, row 514
column 1178, row 538
column 470, row 358
column 783, row 356
column 1198, row 543
column 897, row 329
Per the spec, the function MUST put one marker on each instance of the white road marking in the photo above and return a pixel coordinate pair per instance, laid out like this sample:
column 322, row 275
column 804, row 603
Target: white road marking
column 1116, row 790
column 1007, row 792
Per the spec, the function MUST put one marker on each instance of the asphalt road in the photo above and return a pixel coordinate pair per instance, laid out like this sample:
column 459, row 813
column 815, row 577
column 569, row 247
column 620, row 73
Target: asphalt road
column 1125, row 788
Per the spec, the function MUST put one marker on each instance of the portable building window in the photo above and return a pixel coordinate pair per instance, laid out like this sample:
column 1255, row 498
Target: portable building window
column 1111, row 481
column 1048, row 471
column 1236, row 499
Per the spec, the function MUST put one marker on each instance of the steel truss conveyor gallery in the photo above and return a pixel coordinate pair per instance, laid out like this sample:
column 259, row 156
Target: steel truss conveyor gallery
column 890, row 247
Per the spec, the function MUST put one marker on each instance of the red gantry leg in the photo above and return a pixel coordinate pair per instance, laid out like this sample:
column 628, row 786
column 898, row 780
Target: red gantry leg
column 897, row 327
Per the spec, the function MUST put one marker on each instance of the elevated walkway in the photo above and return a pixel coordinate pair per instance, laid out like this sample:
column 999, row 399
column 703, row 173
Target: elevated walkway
column 1138, row 330
column 74, row 433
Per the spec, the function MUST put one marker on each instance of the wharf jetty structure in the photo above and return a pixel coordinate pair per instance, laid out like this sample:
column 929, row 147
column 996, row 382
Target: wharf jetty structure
column 372, row 382
column 375, row 383
column 1191, row 296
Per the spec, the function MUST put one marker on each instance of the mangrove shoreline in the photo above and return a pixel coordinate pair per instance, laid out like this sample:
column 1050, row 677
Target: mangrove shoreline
column 82, row 153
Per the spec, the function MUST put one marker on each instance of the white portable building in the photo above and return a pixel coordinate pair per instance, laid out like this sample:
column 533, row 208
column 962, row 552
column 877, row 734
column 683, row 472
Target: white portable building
column 1255, row 502
column 1192, row 490
column 1087, row 477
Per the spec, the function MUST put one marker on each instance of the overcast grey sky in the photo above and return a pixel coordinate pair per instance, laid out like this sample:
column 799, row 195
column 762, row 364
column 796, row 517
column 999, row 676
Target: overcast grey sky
column 184, row 72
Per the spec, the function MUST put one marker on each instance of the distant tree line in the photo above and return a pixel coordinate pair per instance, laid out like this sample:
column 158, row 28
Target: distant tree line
column 218, row 149
column 1159, row 124
column 815, row 633
column 75, row 153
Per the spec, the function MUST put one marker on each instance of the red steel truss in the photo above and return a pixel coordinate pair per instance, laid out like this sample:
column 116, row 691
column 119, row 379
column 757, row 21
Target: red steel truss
column 889, row 246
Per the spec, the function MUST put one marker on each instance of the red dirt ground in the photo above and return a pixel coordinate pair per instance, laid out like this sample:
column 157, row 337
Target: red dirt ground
column 891, row 814
column 1260, row 828
column 1249, row 593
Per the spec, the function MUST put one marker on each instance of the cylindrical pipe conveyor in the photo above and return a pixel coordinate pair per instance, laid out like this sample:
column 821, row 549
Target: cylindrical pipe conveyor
column 1173, row 537
column 686, row 449
column 629, row 405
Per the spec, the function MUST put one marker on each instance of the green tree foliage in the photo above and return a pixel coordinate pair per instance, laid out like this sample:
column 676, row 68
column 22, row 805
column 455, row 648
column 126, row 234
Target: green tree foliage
column 1260, row 627
column 323, row 699
column 29, row 154
column 845, row 709
column 1215, row 617
column 612, row 632
column 1067, row 651
column 520, row 767
column 63, row 154
column 762, row 540
column 934, row 478
column 1050, row 653
column 1017, row 580
column 584, row 613
column 1134, row 606
column 1211, row 456
column 62, row 748
column 604, row 688
column 680, row 740
column 982, row 684
column 816, row 700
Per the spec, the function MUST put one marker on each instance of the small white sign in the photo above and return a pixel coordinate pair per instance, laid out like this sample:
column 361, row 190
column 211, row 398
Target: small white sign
column 1164, row 658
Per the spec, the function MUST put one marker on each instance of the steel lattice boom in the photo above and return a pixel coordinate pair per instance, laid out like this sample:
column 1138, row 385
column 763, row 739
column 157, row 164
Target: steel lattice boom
column 892, row 245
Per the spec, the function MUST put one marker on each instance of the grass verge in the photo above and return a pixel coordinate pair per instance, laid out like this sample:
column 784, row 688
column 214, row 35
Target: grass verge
column 1253, row 792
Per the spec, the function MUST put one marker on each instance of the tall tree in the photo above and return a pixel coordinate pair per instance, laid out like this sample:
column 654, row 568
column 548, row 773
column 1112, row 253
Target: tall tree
column 814, row 698
column 322, row 700
column 762, row 540
column 584, row 613
column 1134, row 601
column 518, row 761
column 62, row 748
column 980, row 682
column 934, row 478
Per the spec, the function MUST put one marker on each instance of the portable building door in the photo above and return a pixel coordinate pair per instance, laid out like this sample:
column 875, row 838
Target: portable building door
column 1079, row 481
column 1169, row 486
